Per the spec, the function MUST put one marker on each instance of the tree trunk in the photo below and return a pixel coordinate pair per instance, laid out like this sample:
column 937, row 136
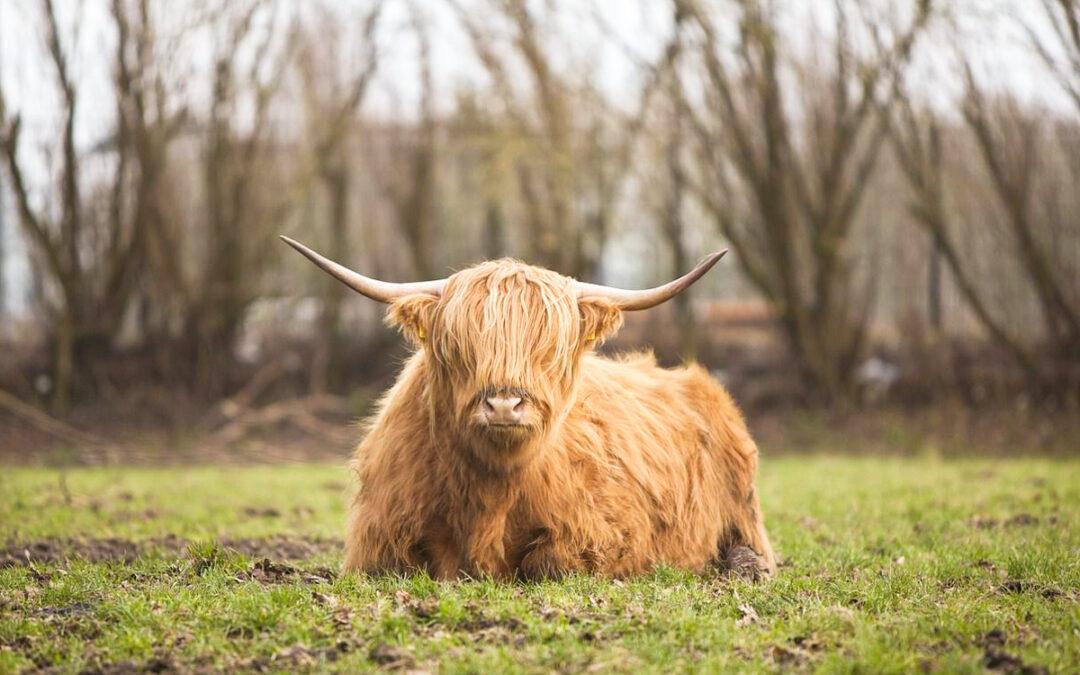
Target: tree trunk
column 325, row 369
column 494, row 236
column 64, row 359
column 934, row 289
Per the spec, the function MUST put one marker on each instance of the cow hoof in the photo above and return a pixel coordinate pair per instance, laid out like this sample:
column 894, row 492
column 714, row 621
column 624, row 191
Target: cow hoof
column 744, row 563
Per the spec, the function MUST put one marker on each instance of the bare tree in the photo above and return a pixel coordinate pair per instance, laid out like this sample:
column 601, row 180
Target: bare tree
column 150, row 115
column 801, row 179
column 667, row 141
column 234, row 165
column 576, row 143
column 412, row 181
column 918, row 145
column 1009, row 145
column 333, row 104
column 1014, row 148
column 55, row 239
column 3, row 248
column 91, row 255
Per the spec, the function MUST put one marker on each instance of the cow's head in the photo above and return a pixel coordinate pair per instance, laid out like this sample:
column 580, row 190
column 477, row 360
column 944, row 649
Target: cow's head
column 503, row 342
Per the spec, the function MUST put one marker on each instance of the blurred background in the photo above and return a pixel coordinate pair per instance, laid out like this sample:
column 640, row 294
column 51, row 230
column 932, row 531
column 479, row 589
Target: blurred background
column 897, row 182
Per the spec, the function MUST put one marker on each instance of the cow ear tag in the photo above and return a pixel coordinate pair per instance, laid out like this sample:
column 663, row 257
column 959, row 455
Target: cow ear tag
column 591, row 337
column 421, row 333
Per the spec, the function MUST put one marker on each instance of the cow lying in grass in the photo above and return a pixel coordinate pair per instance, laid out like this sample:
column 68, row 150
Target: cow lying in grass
column 508, row 448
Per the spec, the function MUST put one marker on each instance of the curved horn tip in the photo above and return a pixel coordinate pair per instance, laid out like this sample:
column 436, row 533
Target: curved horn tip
column 290, row 241
column 293, row 243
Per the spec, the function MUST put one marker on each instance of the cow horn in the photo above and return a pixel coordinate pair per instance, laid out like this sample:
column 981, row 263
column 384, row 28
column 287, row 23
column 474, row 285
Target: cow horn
column 634, row 300
column 383, row 291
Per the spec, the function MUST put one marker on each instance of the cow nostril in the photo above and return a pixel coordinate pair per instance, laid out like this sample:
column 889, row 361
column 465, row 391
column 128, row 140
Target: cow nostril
column 504, row 409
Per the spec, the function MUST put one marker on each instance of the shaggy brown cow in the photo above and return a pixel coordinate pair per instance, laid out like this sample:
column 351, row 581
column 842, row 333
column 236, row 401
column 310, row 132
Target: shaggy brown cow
column 507, row 448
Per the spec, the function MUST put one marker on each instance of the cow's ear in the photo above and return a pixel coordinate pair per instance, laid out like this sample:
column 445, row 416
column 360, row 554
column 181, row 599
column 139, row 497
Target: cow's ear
column 600, row 319
column 412, row 316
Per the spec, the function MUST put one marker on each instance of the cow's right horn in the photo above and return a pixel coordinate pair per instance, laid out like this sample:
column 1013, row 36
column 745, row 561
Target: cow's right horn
column 629, row 301
column 383, row 291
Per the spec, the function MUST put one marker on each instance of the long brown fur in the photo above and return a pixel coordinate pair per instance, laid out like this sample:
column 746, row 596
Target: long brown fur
column 622, row 466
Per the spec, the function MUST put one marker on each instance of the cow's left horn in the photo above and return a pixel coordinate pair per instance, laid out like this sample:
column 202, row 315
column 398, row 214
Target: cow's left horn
column 383, row 291
column 651, row 297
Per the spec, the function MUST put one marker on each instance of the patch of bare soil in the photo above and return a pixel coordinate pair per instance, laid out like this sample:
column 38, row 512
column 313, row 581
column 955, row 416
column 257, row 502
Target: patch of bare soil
column 390, row 657
column 157, row 664
column 479, row 626
column 1021, row 586
column 995, row 657
column 295, row 657
column 91, row 550
column 270, row 572
column 284, row 548
column 983, row 522
column 19, row 554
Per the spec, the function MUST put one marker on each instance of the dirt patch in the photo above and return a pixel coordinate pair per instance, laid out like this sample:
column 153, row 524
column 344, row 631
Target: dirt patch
column 270, row 572
column 984, row 522
column 43, row 551
column 76, row 609
column 390, row 657
column 786, row 657
column 295, row 657
column 797, row 652
column 1020, row 586
column 423, row 608
column 158, row 664
column 482, row 623
column 301, row 657
column 284, row 548
column 92, row 550
column 479, row 627
column 997, row 659
column 261, row 512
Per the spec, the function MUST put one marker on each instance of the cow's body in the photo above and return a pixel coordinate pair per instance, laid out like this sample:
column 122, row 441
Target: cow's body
column 508, row 448
column 649, row 466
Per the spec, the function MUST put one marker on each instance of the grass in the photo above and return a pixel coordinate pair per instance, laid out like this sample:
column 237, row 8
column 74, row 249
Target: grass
column 890, row 565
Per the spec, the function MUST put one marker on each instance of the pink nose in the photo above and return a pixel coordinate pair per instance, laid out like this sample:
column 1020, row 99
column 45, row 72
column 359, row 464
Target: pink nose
column 504, row 410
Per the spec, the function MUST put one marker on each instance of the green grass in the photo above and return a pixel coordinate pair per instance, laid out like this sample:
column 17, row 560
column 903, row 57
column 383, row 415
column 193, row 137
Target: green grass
column 889, row 565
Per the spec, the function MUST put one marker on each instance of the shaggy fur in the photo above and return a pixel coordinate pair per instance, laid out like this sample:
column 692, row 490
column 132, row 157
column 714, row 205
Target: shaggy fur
column 621, row 465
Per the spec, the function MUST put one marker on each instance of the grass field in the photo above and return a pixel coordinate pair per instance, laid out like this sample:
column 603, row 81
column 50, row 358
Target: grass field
column 889, row 565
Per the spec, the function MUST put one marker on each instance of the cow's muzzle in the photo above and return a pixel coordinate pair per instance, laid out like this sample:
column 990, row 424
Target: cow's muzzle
column 503, row 407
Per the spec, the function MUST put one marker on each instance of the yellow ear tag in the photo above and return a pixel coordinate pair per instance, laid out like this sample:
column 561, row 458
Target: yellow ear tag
column 421, row 333
column 591, row 337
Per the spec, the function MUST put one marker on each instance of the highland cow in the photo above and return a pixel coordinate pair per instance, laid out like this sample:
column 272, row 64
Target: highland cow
column 507, row 448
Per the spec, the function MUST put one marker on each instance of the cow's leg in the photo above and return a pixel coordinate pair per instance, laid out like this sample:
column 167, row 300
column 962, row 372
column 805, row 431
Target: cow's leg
column 547, row 558
column 369, row 548
column 486, row 552
column 747, row 531
column 441, row 551
column 478, row 521
column 383, row 539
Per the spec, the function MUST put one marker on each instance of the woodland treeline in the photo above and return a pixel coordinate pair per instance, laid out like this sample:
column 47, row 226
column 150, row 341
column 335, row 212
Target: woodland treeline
column 871, row 213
